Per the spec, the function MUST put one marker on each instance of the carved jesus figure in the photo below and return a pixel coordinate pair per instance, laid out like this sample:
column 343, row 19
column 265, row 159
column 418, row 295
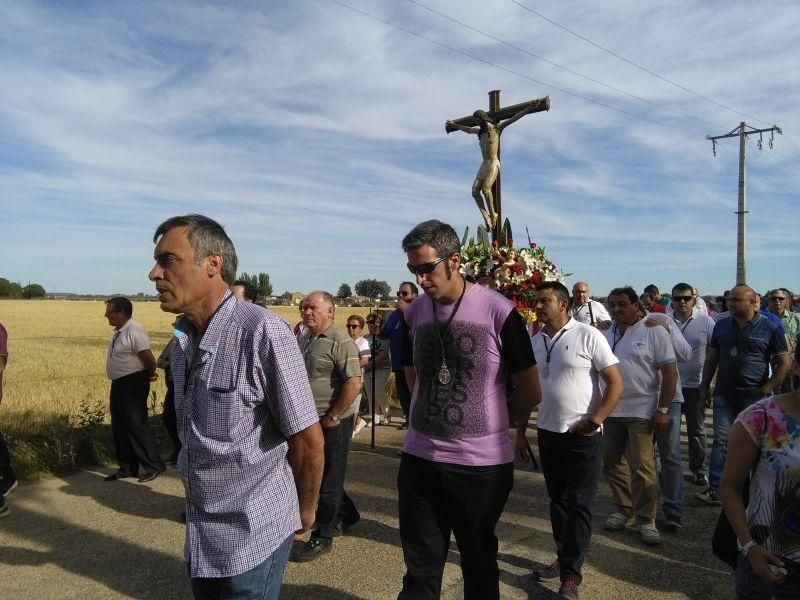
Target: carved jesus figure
column 488, row 133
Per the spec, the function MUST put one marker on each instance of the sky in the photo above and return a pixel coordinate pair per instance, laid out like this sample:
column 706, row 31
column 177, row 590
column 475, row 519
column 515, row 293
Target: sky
column 313, row 130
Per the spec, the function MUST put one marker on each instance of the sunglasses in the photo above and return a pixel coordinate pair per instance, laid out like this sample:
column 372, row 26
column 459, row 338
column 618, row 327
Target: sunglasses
column 424, row 268
column 372, row 322
column 353, row 326
column 777, row 298
column 683, row 298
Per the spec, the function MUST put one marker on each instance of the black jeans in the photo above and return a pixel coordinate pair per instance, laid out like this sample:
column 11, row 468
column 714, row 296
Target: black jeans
column 437, row 499
column 133, row 441
column 571, row 468
column 5, row 460
column 403, row 393
column 695, row 413
column 331, row 492
column 170, row 418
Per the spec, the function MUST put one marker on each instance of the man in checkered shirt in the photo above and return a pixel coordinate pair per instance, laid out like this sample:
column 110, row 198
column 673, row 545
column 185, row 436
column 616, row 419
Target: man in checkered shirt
column 251, row 461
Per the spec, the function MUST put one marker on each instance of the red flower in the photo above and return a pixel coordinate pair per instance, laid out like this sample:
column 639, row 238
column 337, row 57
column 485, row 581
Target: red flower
column 533, row 244
column 495, row 243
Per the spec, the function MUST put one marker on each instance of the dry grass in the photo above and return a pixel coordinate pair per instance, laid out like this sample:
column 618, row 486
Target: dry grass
column 56, row 370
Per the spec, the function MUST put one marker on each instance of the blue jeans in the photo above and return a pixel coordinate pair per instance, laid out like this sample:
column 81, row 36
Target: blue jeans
column 259, row 583
column 670, row 474
column 331, row 491
column 725, row 412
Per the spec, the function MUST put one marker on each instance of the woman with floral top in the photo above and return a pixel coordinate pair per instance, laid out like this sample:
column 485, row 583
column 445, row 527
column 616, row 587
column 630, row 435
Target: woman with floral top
column 765, row 439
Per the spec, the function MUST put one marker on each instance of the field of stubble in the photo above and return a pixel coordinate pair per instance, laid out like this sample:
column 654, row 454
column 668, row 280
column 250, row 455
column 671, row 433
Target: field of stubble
column 55, row 378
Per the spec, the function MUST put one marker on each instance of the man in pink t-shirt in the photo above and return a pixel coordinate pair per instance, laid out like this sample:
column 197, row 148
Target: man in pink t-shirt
column 7, row 479
column 457, row 466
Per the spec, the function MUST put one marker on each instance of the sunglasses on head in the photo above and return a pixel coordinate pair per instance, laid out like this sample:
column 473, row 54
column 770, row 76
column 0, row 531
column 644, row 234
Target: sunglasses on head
column 424, row 268
column 684, row 298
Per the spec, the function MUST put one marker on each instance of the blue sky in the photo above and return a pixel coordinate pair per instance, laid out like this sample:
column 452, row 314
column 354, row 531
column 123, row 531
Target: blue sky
column 315, row 135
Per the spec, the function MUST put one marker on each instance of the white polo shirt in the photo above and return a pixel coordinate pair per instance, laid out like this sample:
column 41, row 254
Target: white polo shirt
column 641, row 351
column 571, row 390
column 122, row 358
column 682, row 349
column 583, row 315
column 697, row 331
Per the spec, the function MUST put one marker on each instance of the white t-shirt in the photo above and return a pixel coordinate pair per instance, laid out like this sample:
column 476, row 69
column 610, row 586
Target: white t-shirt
column 583, row 315
column 122, row 358
column 641, row 351
column 697, row 331
column 571, row 390
column 683, row 351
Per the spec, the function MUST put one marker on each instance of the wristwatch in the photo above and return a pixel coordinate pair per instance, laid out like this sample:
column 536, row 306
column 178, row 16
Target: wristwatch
column 333, row 417
column 664, row 410
column 595, row 424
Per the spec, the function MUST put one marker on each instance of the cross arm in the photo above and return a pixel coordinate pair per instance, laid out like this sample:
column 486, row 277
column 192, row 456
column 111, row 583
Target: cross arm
column 532, row 106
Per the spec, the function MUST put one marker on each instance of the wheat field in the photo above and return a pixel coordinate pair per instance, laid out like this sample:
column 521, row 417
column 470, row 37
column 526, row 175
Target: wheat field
column 57, row 352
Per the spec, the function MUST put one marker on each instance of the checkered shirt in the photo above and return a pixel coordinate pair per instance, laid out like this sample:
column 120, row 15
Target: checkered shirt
column 240, row 392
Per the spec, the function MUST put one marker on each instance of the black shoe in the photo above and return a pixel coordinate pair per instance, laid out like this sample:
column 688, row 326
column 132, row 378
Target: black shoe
column 312, row 549
column 7, row 483
column 119, row 475
column 148, row 476
column 551, row 571
column 568, row 591
column 672, row 523
column 700, row 480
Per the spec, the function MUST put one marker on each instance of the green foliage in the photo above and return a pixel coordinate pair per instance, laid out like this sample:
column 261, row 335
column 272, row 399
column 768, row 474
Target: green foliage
column 372, row 288
column 9, row 289
column 260, row 282
column 33, row 290
column 344, row 291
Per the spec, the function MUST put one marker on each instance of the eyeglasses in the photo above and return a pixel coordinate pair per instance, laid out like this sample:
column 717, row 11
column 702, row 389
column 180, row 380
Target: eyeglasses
column 778, row 298
column 353, row 326
column 682, row 298
column 424, row 268
column 403, row 294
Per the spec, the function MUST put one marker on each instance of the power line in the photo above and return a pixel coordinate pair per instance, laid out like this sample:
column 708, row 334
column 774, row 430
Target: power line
column 512, row 71
column 630, row 62
column 555, row 64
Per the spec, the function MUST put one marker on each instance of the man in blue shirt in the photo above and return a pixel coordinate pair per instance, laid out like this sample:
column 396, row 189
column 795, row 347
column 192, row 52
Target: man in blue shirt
column 396, row 331
column 251, row 457
column 742, row 347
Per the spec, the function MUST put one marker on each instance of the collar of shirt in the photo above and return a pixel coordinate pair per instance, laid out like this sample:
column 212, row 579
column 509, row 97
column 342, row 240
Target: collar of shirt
column 565, row 327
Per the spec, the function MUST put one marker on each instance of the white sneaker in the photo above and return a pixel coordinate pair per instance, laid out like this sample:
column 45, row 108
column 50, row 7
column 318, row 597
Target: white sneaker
column 359, row 426
column 616, row 522
column 650, row 534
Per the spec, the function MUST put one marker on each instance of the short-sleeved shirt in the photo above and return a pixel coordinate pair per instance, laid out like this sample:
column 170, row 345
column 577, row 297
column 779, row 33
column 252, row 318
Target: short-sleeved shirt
column 331, row 358
column 123, row 352
column 396, row 331
column 464, row 421
column 776, row 479
column 641, row 351
column 241, row 391
column 697, row 331
column 744, row 355
column 380, row 346
column 589, row 313
column 571, row 390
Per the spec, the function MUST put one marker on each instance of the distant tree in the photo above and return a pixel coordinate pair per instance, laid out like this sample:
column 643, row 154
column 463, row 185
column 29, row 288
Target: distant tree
column 373, row 288
column 9, row 289
column 263, row 285
column 260, row 282
column 33, row 290
column 344, row 291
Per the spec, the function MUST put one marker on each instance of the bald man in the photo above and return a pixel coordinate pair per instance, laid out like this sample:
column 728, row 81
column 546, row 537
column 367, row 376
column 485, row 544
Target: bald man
column 742, row 347
column 585, row 310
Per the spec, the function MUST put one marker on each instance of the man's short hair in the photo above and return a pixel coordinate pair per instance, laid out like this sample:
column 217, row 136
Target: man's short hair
column 410, row 284
column 652, row 289
column 206, row 237
column 682, row 286
column 327, row 298
column 628, row 291
column 559, row 289
column 122, row 304
column 439, row 236
column 250, row 292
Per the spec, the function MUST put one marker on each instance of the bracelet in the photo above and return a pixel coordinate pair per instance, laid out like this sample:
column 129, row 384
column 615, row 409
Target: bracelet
column 745, row 550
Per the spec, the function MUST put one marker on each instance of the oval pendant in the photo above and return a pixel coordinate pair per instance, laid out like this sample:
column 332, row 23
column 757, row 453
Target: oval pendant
column 546, row 371
column 444, row 375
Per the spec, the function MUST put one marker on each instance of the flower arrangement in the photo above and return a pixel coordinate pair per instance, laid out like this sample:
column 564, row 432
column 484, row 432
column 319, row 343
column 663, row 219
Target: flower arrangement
column 514, row 272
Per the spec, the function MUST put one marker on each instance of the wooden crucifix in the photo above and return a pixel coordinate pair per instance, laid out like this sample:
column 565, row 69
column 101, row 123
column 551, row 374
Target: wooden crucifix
column 488, row 126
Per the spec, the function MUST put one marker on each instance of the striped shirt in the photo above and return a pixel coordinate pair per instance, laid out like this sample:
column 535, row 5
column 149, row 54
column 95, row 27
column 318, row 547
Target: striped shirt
column 240, row 392
column 331, row 358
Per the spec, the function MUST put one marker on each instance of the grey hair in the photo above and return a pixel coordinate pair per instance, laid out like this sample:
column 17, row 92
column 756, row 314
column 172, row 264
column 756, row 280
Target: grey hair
column 439, row 236
column 327, row 298
column 206, row 237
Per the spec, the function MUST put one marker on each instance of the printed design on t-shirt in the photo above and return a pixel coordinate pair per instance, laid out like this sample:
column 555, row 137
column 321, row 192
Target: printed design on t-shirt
column 457, row 409
column 778, row 522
